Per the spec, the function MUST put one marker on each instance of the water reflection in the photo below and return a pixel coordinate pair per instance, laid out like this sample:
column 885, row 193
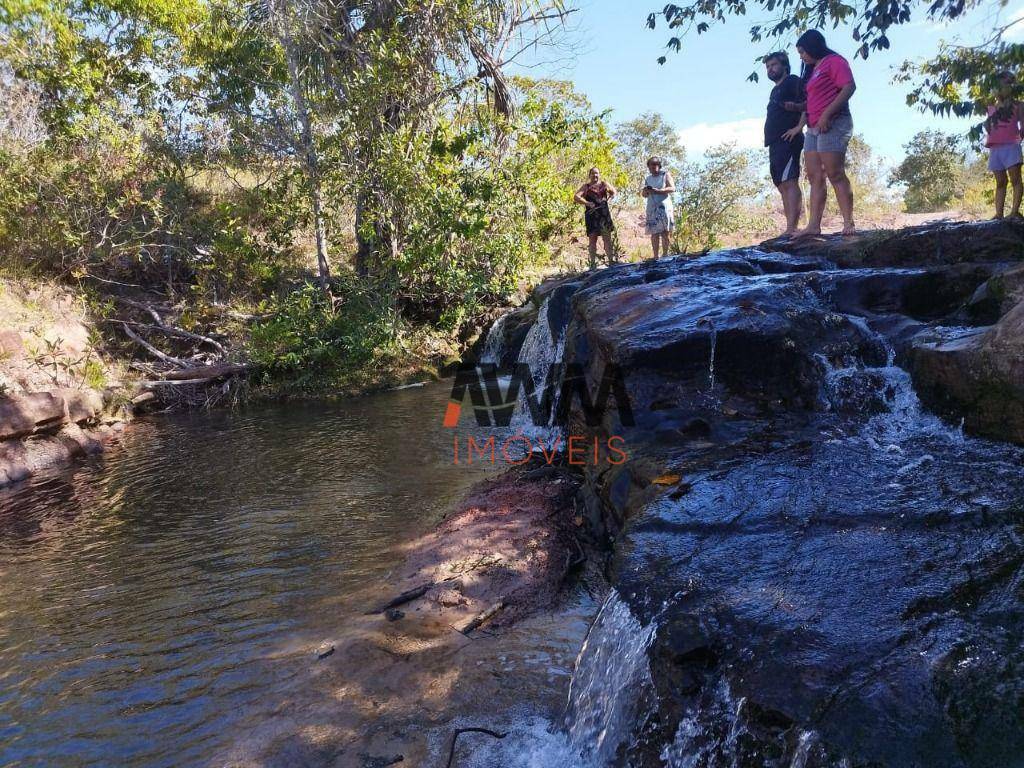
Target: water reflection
column 157, row 601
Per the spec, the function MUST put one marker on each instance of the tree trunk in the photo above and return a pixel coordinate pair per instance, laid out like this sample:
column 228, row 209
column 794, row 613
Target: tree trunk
column 311, row 163
column 364, row 251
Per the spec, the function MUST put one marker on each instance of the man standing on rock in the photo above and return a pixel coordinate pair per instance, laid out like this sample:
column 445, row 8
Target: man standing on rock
column 784, row 140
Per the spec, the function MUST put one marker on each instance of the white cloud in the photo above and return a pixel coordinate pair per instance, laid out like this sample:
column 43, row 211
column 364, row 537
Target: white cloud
column 745, row 134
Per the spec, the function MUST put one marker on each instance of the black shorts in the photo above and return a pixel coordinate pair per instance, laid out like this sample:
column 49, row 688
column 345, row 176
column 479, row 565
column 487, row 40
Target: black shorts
column 784, row 159
column 599, row 219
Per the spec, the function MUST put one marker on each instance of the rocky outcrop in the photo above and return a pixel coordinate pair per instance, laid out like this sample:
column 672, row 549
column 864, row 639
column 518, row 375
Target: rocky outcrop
column 51, row 374
column 977, row 375
column 834, row 573
column 928, row 244
column 44, row 429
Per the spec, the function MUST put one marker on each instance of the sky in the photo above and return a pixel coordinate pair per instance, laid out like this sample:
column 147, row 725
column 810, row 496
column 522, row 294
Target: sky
column 704, row 92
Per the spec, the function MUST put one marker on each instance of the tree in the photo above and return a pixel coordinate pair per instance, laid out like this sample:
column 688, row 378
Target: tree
column 83, row 55
column 960, row 79
column 932, row 172
column 867, row 175
column 710, row 194
column 647, row 135
column 21, row 127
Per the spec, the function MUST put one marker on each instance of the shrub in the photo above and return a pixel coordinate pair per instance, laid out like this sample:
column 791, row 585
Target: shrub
column 710, row 197
column 311, row 341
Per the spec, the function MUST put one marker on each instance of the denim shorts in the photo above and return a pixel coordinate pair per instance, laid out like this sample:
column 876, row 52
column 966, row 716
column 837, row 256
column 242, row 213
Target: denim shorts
column 1003, row 156
column 834, row 140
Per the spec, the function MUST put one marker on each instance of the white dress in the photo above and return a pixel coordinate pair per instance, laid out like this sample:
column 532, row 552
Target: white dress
column 659, row 207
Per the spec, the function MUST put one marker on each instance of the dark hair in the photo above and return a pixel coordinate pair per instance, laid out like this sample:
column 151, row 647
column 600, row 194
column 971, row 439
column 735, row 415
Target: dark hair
column 782, row 57
column 813, row 42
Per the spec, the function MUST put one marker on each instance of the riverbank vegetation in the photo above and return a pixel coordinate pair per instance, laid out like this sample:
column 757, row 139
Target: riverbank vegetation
column 338, row 194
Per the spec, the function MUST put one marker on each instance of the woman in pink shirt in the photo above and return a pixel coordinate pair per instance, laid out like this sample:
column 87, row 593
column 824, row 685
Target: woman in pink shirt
column 829, row 84
column 1003, row 129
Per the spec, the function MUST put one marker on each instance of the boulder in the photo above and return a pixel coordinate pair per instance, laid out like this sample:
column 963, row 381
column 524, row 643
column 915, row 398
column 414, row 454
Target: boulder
column 21, row 415
column 996, row 296
column 81, row 405
column 976, row 375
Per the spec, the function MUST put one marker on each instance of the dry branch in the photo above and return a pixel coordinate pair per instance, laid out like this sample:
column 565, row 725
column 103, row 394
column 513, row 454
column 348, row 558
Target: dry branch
column 408, row 596
column 455, row 737
column 171, row 383
column 482, row 617
column 170, row 359
column 170, row 330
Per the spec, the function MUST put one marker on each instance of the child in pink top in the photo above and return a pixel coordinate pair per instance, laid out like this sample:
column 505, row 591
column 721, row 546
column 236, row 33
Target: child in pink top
column 1003, row 128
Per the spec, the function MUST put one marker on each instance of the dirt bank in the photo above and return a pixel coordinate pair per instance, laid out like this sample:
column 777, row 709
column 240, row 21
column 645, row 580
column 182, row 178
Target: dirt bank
column 401, row 683
column 60, row 398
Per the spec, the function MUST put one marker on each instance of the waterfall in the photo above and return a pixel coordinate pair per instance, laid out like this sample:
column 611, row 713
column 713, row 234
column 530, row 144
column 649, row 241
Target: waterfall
column 696, row 744
column 711, row 358
column 610, row 691
column 494, row 342
column 713, row 338
column 540, row 351
column 609, row 697
column 889, row 386
column 804, row 746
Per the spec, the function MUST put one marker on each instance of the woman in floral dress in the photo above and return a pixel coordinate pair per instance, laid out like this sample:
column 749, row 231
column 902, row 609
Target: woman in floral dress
column 660, row 221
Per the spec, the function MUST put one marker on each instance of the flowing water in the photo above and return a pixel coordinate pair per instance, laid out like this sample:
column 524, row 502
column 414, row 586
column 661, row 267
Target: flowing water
column 874, row 454
column 540, row 351
column 156, row 603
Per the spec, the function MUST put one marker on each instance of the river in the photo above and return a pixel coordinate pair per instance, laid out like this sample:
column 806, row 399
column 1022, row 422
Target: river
column 159, row 601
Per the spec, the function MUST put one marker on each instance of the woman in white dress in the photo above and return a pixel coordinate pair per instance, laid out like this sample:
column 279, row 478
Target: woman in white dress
column 660, row 221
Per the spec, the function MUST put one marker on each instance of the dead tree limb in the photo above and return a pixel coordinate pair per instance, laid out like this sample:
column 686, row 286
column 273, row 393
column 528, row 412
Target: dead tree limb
column 139, row 305
column 153, row 384
column 170, row 359
column 408, row 596
column 212, row 371
column 482, row 617
column 170, row 330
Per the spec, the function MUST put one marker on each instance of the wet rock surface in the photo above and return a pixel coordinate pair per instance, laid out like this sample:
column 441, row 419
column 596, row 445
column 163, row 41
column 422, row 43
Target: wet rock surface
column 834, row 572
column 976, row 374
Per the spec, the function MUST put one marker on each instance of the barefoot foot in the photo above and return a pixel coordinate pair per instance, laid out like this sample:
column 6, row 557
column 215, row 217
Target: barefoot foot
column 808, row 232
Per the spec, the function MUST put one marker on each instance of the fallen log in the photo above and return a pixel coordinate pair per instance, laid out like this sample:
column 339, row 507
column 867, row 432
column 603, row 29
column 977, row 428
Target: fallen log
column 142, row 399
column 482, row 617
column 408, row 596
column 172, row 383
column 212, row 371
